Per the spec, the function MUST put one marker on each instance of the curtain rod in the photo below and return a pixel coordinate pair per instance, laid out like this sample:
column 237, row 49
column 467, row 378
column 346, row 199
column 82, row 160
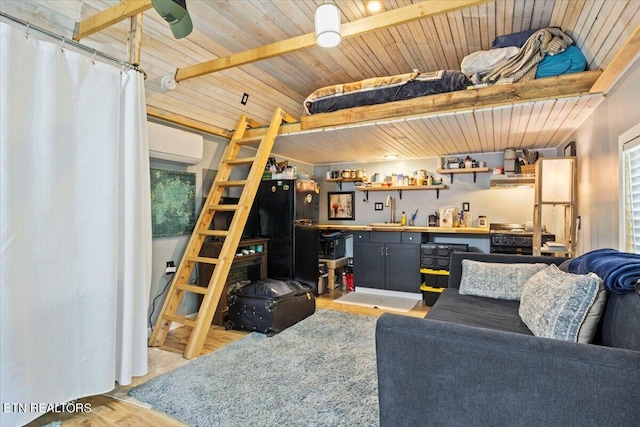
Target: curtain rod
column 68, row 42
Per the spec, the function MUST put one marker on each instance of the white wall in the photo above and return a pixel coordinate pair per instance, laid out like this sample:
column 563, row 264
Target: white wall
column 598, row 163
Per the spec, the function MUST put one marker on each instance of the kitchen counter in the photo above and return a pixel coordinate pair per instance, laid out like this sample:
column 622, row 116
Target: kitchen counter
column 415, row 229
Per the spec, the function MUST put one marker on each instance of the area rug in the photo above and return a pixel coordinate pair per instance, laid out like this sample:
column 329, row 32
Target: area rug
column 385, row 302
column 319, row 372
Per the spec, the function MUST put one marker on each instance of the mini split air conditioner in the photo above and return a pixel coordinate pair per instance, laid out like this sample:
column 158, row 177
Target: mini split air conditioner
column 174, row 145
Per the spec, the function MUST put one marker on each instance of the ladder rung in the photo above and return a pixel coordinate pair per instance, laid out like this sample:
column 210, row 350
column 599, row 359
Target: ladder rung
column 192, row 288
column 240, row 161
column 202, row 259
column 222, row 207
column 237, row 183
column 218, row 233
column 180, row 319
column 248, row 141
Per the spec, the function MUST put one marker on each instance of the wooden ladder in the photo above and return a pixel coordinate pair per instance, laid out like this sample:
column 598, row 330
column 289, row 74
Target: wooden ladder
column 222, row 264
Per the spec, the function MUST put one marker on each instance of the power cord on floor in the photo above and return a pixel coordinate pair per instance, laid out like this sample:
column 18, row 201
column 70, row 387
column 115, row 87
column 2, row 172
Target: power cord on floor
column 153, row 304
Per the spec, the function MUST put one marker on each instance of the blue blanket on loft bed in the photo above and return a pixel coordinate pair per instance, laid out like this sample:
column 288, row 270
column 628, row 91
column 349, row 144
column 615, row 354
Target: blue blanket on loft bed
column 619, row 270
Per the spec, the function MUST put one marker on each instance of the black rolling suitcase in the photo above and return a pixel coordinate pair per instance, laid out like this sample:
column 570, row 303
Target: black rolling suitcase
column 270, row 306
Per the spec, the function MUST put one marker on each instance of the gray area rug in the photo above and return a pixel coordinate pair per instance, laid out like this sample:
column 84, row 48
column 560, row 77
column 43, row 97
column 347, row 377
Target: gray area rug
column 319, row 372
column 378, row 301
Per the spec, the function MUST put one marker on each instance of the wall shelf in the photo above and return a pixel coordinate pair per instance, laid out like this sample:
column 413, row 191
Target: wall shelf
column 400, row 189
column 339, row 181
column 451, row 172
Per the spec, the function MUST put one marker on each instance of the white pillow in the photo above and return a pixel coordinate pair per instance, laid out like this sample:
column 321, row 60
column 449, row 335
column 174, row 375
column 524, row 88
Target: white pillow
column 554, row 304
column 496, row 280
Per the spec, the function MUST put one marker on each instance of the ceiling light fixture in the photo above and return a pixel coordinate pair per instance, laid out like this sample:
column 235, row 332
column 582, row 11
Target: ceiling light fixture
column 327, row 18
column 391, row 156
column 168, row 82
column 374, row 6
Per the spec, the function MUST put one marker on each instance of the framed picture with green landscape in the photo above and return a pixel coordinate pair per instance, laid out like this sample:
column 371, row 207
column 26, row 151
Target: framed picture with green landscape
column 173, row 202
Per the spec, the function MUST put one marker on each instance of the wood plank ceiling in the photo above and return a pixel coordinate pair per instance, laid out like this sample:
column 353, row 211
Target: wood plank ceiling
column 221, row 28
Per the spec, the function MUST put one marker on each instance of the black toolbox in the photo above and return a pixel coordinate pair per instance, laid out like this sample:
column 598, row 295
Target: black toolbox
column 436, row 256
column 269, row 306
column 434, row 266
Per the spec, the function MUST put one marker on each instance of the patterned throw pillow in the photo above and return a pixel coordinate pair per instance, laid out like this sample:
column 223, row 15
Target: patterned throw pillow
column 496, row 280
column 554, row 304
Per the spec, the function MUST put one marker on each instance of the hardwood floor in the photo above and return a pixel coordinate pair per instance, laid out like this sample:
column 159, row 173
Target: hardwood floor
column 116, row 408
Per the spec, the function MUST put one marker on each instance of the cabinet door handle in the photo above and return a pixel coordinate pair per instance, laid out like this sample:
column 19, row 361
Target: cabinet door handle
column 381, row 250
column 387, row 251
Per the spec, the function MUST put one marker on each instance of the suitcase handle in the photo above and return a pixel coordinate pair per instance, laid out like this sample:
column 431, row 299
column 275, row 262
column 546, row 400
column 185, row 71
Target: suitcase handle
column 270, row 306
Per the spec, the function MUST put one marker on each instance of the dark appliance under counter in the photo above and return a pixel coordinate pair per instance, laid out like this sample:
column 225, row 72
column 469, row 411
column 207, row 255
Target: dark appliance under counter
column 332, row 245
column 513, row 239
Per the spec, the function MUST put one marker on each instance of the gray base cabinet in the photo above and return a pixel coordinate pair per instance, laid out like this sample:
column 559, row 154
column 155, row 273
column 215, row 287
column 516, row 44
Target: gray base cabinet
column 387, row 260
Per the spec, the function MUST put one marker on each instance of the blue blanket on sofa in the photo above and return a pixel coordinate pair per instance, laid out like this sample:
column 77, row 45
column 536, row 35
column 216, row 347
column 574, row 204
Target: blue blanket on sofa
column 619, row 270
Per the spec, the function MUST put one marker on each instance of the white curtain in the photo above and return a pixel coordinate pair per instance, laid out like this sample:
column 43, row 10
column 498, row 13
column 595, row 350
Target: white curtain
column 75, row 239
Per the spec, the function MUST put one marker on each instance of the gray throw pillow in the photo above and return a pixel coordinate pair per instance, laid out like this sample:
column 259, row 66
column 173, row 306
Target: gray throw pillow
column 554, row 304
column 496, row 280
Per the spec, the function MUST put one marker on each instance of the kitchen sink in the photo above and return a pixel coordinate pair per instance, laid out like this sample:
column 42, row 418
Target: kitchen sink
column 385, row 224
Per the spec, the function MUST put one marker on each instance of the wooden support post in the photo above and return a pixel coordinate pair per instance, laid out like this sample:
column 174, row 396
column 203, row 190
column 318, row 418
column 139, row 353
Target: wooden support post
column 134, row 45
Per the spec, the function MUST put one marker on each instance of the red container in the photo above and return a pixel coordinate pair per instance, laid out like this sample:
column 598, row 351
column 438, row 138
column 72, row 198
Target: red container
column 348, row 282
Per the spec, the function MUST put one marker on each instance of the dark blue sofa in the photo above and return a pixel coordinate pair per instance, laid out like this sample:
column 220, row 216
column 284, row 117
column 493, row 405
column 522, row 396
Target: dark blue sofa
column 472, row 362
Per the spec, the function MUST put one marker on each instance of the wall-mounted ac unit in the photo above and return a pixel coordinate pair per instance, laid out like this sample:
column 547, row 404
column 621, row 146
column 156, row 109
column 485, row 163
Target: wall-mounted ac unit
column 174, row 145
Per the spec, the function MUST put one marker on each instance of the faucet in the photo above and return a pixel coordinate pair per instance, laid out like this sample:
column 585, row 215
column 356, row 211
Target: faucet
column 392, row 201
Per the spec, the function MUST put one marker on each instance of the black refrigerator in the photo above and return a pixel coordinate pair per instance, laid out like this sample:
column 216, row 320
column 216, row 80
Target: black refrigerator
column 289, row 218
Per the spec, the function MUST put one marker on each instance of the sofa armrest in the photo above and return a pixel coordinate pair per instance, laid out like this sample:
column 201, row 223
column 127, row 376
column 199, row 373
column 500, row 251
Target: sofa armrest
column 455, row 265
column 440, row 373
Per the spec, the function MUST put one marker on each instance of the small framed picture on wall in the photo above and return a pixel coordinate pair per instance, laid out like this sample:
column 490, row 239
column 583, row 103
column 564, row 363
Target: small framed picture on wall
column 341, row 205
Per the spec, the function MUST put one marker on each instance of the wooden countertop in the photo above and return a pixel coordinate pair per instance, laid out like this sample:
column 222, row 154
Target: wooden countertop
column 450, row 230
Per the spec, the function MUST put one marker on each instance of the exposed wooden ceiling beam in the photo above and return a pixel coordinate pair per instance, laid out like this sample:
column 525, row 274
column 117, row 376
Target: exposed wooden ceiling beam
column 181, row 120
column 359, row 27
column 625, row 58
column 108, row 17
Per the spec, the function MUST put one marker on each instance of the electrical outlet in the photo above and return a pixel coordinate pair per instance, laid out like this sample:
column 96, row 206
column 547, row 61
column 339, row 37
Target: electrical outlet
column 171, row 267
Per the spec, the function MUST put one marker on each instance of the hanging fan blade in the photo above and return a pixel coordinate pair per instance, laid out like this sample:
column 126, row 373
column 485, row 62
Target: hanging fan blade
column 176, row 14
